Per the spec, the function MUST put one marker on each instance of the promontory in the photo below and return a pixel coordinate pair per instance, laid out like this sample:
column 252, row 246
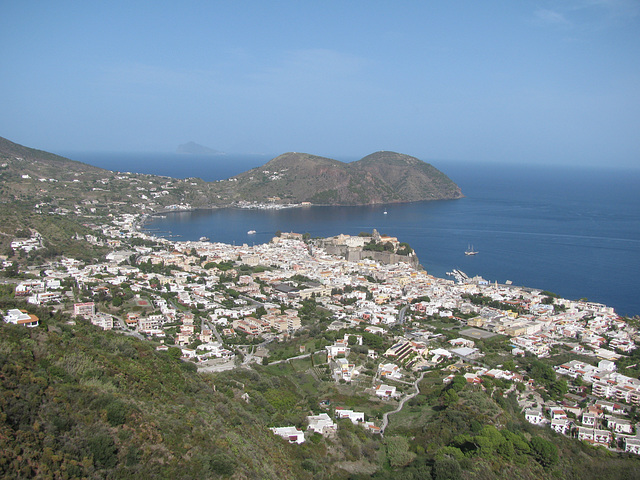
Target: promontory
column 31, row 177
column 382, row 177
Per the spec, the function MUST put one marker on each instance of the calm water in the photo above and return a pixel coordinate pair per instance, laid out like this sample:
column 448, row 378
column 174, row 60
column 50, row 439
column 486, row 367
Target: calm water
column 572, row 231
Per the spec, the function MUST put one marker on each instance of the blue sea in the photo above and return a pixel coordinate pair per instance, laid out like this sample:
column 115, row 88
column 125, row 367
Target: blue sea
column 574, row 231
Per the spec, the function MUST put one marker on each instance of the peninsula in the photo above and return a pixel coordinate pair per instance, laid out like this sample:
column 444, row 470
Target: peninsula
column 35, row 177
column 382, row 177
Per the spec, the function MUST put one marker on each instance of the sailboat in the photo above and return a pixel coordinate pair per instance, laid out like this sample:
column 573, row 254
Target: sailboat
column 470, row 251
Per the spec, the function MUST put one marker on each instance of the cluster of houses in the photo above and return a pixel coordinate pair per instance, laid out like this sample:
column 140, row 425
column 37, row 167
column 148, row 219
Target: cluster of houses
column 605, row 421
column 605, row 381
column 602, row 424
column 28, row 244
column 324, row 425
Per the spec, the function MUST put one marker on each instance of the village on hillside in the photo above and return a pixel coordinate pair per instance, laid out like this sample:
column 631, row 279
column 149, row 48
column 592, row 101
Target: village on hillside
column 383, row 324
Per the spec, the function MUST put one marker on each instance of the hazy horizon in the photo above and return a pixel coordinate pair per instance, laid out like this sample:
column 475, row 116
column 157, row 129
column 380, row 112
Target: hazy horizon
column 532, row 82
column 259, row 159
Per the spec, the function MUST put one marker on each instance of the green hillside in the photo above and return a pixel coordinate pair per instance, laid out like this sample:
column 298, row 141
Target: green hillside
column 77, row 402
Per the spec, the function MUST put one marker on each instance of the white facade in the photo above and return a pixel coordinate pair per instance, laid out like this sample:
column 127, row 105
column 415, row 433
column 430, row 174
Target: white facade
column 321, row 424
column 290, row 433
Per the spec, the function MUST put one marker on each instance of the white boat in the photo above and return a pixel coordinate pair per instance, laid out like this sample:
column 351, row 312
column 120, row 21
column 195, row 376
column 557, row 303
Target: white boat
column 385, row 212
column 204, row 239
column 470, row 251
column 251, row 232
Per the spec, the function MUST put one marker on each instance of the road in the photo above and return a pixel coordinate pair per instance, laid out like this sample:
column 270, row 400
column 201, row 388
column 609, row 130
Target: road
column 213, row 329
column 252, row 348
column 125, row 329
column 304, row 355
column 385, row 417
column 401, row 315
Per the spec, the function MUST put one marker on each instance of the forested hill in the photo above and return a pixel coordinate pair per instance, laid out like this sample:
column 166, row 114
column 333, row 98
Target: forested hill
column 382, row 177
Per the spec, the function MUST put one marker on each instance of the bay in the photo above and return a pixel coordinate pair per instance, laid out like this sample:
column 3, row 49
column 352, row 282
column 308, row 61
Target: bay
column 574, row 231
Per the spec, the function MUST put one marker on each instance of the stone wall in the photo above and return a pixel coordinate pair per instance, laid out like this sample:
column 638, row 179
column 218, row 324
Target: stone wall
column 357, row 254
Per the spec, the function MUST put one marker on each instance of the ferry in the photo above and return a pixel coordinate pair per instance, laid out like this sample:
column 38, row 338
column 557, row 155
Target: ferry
column 251, row 232
column 204, row 239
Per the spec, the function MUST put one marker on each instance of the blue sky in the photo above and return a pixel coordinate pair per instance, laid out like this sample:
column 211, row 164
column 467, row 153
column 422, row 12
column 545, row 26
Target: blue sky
column 508, row 81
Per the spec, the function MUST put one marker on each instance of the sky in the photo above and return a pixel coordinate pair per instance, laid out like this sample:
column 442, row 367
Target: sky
column 506, row 81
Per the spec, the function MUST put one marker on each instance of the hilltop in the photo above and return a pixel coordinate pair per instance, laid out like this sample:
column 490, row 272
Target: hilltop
column 32, row 176
column 382, row 177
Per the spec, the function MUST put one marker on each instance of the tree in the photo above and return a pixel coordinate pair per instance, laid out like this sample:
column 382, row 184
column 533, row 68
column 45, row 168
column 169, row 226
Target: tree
column 398, row 451
column 544, row 451
column 450, row 397
column 104, row 450
column 446, row 469
column 174, row 352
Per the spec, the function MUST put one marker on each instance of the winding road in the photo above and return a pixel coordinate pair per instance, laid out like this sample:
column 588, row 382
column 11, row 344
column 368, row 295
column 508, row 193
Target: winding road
column 385, row 417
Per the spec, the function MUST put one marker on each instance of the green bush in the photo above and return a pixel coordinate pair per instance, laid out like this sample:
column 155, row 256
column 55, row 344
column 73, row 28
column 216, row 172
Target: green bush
column 117, row 413
column 104, row 450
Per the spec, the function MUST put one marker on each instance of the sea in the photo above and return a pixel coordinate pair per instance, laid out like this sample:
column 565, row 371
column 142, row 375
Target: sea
column 574, row 231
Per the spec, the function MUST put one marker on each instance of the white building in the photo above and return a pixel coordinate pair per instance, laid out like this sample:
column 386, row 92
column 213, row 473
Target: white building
column 533, row 415
column 385, row 391
column 290, row 433
column 632, row 445
column 321, row 424
column 355, row 417
column 19, row 317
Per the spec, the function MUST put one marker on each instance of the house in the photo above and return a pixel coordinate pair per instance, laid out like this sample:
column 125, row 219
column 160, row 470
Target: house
column 472, row 378
column 466, row 352
column 534, row 416
column 440, row 354
column 290, row 433
column 558, row 413
column 588, row 419
column 188, row 353
column 355, row 417
column 389, row 370
column 339, row 348
column 560, row 425
column 462, row 342
column 371, row 427
column 607, row 365
column 321, row 424
column 28, row 287
column 385, row 391
column 21, row 317
column 620, row 425
column 594, row 435
column 103, row 321
column 344, row 370
column 632, row 445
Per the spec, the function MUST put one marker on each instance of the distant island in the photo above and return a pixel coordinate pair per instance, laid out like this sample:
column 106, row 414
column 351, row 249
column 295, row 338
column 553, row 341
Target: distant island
column 193, row 148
